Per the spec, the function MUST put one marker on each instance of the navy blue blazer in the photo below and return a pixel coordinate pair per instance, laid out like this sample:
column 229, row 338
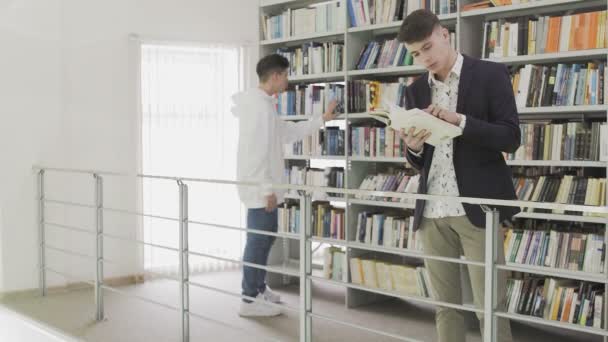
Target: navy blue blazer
column 485, row 96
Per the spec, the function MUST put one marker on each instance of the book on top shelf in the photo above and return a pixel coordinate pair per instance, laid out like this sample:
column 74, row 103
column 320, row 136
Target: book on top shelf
column 373, row 12
column 399, row 118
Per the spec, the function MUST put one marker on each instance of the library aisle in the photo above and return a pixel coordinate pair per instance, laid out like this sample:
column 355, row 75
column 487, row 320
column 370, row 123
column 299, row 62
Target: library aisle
column 128, row 319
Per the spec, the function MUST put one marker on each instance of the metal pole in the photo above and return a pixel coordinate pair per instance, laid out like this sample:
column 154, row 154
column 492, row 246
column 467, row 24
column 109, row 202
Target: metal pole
column 99, row 313
column 184, row 268
column 491, row 274
column 305, row 268
column 41, row 234
column 605, row 307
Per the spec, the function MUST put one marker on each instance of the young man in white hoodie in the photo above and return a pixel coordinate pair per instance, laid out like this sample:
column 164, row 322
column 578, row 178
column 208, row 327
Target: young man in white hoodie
column 262, row 135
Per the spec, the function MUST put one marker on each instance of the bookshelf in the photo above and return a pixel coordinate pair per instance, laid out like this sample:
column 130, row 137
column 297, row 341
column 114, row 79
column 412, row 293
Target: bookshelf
column 468, row 28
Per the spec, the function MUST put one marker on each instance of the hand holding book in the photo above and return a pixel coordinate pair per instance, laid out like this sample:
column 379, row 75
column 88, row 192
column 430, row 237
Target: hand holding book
column 444, row 114
column 440, row 123
column 414, row 140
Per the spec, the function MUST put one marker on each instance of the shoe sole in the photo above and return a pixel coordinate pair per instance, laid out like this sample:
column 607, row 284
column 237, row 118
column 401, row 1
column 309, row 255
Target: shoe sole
column 272, row 301
column 258, row 316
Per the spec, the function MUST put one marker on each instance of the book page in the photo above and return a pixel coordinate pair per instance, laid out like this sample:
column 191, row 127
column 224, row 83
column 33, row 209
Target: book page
column 399, row 118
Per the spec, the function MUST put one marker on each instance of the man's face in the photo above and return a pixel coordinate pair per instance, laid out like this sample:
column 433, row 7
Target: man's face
column 280, row 81
column 433, row 52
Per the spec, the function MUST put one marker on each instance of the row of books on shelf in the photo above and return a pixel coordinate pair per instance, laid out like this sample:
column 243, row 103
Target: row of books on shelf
column 560, row 85
column 328, row 177
column 388, row 53
column 325, row 142
column 567, row 189
column 288, row 217
column 561, row 141
column 545, row 34
column 386, row 230
column 368, row 141
column 327, row 221
column 367, row 95
column 533, row 85
column 325, row 17
column 402, row 279
column 334, row 264
column 556, row 247
column 310, row 99
column 539, row 141
column 384, row 54
column 393, row 181
column 372, row 12
column 554, row 299
column 314, row 58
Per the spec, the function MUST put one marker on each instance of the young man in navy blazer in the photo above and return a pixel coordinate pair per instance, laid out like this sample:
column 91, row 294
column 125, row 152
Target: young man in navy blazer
column 477, row 96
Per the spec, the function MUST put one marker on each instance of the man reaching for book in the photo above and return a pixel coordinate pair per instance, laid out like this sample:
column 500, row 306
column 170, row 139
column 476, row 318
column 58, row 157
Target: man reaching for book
column 477, row 96
column 262, row 135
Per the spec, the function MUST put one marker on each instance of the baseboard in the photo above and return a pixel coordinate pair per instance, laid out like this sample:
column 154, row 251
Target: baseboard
column 74, row 286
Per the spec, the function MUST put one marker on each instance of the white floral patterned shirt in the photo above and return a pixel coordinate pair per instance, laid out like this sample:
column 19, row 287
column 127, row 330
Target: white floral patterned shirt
column 442, row 176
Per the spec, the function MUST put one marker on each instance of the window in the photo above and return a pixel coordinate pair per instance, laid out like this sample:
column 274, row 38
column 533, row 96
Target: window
column 188, row 130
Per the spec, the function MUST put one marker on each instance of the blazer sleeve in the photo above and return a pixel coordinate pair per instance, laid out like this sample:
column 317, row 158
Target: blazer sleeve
column 416, row 162
column 501, row 131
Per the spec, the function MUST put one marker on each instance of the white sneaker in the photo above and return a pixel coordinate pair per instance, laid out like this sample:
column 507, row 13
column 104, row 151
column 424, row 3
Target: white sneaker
column 257, row 309
column 270, row 296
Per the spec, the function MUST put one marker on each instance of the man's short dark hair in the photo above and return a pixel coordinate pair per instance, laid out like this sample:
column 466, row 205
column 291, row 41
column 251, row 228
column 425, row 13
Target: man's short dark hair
column 418, row 26
column 270, row 64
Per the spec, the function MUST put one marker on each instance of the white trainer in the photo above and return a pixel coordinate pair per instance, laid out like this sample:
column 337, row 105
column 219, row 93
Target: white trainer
column 270, row 296
column 257, row 309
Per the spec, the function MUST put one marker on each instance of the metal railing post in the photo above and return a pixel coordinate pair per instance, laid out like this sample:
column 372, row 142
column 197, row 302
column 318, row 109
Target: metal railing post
column 491, row 276
column 99, row 305
column 41, row 235
column 305, row 268
column 184, row 268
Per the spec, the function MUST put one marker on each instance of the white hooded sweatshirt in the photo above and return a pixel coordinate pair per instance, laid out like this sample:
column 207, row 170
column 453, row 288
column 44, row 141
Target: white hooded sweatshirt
column 262, row 135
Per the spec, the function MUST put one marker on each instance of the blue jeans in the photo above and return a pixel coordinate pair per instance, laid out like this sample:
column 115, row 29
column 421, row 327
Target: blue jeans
column 257, row 248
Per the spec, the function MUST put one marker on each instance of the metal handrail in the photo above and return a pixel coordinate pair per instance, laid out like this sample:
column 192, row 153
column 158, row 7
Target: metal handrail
column 490, row 310
column 311, row 189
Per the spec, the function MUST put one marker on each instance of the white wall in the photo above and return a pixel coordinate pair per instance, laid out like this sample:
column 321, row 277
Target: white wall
column 31, row 108
column 90, row 88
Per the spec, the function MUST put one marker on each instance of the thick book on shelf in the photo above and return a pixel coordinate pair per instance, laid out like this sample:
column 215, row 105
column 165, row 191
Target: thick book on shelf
column 399, row 118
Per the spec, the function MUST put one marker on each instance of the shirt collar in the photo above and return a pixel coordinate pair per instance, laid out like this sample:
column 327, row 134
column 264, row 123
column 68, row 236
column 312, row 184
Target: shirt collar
column 265, row 95
column 456, row 69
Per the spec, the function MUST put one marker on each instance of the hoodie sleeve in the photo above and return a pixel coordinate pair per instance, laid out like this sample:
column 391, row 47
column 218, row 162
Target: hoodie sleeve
column 294, row 131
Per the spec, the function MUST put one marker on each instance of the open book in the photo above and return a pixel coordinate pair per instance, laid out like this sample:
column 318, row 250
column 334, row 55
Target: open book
column 398, row 118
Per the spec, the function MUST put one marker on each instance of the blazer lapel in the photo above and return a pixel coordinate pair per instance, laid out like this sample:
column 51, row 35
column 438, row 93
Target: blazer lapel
column 465, row 84
column 425, row 93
